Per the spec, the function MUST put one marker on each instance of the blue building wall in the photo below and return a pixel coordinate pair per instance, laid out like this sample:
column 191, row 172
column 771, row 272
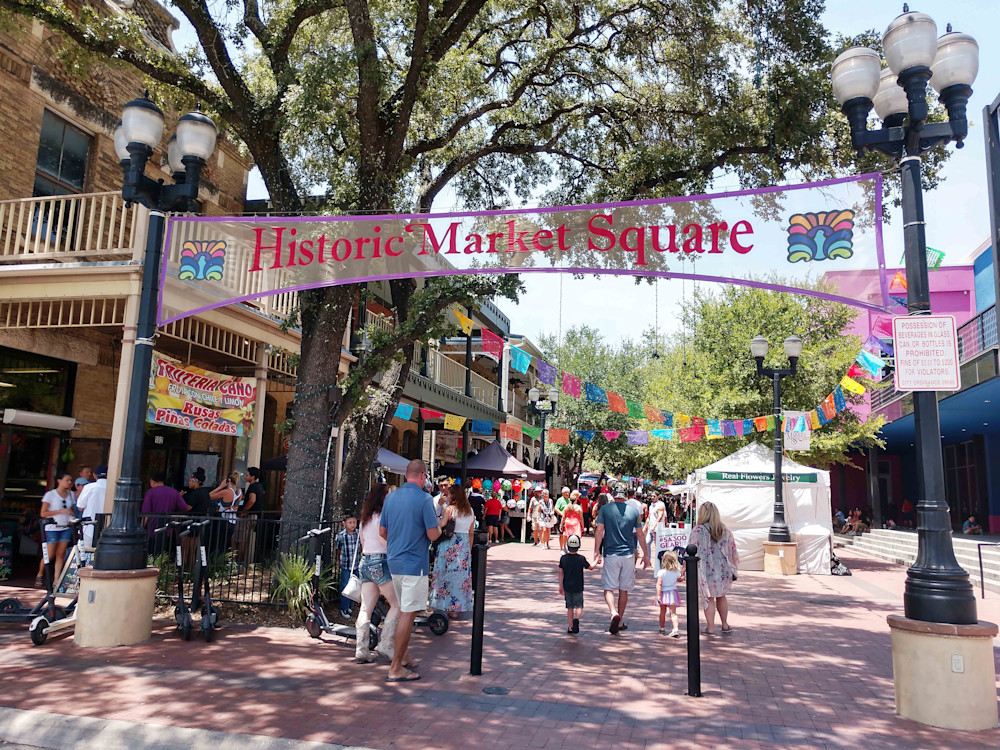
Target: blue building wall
column 985, row 290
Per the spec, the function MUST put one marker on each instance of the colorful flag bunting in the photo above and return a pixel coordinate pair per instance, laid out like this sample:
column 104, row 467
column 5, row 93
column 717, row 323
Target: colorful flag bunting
column 510, row 431
column 814, row 419
column 698, row 421
column 738, row 425
column 770, row 422
column 466, row 323
column 430, row 415
column 533, row 432
column 652, row 413
column 481, row 426
column 856, row 372
column 898, row 283
column 617, row 403
column 760, row 423
column 728, row 428
column 882, row 326
column 571, row 385
column 838, row 399
column 492, row 344
column 692, row 434
column 546, row 373
column 453, row 422
column 682, row 420
column 822, row 416
column 637, row 437
column 587, row 435
column 870, row 362
column 595, row 394
column 404, row 411
column 748, row 426
column 851, row 385
column 668, row 418
column 828, row 408
column 635, row 409
column 610, row 435
column 558, row 437
column 713, row 429
column 520, row 360
column 664, row 434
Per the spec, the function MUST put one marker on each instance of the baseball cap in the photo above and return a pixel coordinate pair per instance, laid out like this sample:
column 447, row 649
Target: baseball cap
column 101, row 471
column 80, row 480
column 573, row 542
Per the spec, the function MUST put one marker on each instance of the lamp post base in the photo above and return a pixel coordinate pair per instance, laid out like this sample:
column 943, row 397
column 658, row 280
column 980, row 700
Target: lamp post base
column 944, row 675
column 115, row 607
column 781, row 558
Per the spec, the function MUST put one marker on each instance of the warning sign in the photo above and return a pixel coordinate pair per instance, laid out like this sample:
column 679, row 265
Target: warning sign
column 926, row 353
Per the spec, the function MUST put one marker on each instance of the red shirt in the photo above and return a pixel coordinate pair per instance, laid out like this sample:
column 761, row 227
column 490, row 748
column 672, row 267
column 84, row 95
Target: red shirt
column 493, row 507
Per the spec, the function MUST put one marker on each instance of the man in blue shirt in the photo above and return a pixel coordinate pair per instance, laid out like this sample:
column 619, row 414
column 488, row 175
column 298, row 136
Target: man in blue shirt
column 616, row 524
column 408, row 524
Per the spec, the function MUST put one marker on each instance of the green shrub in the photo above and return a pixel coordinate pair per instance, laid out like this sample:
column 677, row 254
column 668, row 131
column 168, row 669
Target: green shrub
column 292, row 583
column 165, row 580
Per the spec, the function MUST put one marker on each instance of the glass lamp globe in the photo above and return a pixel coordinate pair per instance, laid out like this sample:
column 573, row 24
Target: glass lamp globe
column 533, row 395
column 793, row 347
column 957, row 61
column 174, row 155
column 855, row 74
column 910, row 41
column 142, row 122
column 196, row 135
column 553, row 395
column 891, row 98
column 758, row 347
column 121, row 144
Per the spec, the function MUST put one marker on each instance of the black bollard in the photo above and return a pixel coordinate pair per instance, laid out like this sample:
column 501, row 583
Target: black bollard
column 479, row 603
column 693, row 631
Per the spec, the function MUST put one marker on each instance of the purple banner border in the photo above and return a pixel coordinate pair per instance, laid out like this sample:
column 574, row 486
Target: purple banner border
column 876, row 176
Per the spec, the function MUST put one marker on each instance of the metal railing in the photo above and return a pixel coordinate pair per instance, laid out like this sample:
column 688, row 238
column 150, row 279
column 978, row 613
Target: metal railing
column 978, row 334
column 91, row 226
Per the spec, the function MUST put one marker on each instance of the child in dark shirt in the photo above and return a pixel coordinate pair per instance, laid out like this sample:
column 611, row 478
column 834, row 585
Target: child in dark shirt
column 571, row 567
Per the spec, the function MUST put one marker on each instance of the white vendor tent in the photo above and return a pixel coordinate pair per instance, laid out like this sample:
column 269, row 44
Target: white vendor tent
column 742, row 487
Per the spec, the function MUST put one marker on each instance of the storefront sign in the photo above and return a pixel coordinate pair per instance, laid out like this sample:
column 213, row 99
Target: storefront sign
column 796, row 232
column 194, row 399
column 926, row 353
column 745, row 476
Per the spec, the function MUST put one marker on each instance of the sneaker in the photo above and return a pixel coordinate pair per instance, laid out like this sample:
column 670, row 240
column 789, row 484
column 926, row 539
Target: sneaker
column 675, row 634
column 576, row 625
column 616, row 622
column 663, row 631
column 345, row 613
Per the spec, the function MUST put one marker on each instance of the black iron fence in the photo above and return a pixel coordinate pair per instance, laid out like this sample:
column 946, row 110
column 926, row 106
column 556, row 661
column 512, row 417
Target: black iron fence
column 246, row 556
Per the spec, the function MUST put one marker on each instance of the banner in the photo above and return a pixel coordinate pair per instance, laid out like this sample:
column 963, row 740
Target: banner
column 795, row 231
column 199, row 400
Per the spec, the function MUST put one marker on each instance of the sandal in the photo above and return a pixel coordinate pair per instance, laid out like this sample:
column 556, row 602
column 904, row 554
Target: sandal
column 727, row 631
column 708, row 632
column 40, row 581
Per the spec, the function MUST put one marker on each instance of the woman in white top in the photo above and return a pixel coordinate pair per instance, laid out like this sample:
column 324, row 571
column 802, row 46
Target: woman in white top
column 451, row 584
column 230, row 498
column 375, row 580
column 57, row 506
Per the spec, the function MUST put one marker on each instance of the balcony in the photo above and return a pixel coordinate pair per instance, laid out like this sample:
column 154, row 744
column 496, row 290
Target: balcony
column 448, row 372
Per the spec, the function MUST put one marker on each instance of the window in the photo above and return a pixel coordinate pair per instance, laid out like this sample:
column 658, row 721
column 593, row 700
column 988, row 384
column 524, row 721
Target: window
column 62, row 157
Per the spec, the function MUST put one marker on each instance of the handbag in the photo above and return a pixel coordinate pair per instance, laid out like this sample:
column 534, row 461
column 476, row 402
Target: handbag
column 449, row 529
column 353, row 588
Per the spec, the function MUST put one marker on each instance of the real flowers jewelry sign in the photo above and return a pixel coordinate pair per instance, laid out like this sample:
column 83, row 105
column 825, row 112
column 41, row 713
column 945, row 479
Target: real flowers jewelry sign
column 200, row 400
column 796, row 232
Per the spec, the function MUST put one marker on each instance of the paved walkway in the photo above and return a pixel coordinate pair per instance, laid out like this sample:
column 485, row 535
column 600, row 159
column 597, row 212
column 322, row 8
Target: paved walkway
column 809, row 665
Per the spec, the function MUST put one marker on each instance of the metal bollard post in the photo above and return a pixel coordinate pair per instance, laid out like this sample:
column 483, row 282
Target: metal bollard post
column 479, row 602
column 693, row 631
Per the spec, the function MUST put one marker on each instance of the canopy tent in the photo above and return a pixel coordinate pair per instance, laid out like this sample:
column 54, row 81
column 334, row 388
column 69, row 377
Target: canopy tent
column 742, row 486
column 388, row 460
column 493, row 462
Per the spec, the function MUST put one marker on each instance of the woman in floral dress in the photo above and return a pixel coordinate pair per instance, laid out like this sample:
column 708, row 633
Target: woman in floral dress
column 451, row 585
column 717, row 566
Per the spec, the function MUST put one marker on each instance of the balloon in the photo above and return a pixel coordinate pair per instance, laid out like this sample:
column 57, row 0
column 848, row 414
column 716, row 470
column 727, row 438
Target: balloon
column 526, row 485
column 505, row 484
column 512, row 503
column 458, row 480
column 521, row 505
column 517, row 485
column 477, row 484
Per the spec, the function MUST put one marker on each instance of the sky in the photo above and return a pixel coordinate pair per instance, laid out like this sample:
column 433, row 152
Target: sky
column 957, row 216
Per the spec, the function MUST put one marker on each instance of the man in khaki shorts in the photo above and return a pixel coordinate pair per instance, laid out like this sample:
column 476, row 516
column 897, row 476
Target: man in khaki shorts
column 616, row 523
column 408, row 524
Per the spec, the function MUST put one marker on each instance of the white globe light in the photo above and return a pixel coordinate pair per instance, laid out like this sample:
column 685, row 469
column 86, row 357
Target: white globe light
column 142, row 122
column 855, row 74
column 758, row 347
column 196, row 135
column 121, row 145
column 957, row 61
column 174, row 155
column 910, row 40
column 890, row 99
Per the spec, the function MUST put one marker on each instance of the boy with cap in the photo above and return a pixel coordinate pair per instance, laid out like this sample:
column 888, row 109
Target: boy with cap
column 571, row 567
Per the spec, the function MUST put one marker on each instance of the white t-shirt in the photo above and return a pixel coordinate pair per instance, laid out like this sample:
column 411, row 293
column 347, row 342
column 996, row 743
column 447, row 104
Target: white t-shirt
column 57, row 502
column 91, row 502
column 633, row 503
column 463, row 524
column 371, row 542
column 668, row 579
column 654, row 511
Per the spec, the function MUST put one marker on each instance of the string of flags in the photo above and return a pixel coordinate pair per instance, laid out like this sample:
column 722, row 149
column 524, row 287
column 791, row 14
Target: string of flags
column 869, row 364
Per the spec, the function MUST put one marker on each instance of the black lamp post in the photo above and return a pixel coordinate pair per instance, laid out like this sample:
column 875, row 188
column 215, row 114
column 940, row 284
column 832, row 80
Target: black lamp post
column 793, row 350
column 937, row 588
column 122, row 546
column 543, row 408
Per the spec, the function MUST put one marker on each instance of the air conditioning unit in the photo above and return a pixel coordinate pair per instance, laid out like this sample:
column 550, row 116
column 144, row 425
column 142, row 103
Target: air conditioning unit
column 35, row 419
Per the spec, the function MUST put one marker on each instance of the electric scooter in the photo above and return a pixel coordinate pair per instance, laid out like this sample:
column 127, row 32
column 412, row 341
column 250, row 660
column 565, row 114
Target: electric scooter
column 201, row 594
column 182, row 615
column 11, row 609
column 44, row 625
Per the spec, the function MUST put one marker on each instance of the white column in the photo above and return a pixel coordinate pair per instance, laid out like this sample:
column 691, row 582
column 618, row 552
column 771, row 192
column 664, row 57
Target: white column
column 116, row 451
column 257, row 438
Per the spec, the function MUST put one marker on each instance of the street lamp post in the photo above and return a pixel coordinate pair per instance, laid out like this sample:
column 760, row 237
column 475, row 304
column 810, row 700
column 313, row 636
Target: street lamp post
column 937, row 588
column 793, row 350
column 122, row 546
column 543, row 408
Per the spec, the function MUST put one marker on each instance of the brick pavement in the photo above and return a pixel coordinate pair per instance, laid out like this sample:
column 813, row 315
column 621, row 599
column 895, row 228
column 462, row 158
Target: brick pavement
column 809, row 665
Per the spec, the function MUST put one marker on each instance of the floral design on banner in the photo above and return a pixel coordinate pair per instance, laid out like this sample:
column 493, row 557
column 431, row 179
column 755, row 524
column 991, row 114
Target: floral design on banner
column 610, row 435
column 637, row 437
column 617, row 403
column 571, row 385
column 558, row 437
column 202, row 260
column 546, row 373
column 821, row 236
column 492, row 344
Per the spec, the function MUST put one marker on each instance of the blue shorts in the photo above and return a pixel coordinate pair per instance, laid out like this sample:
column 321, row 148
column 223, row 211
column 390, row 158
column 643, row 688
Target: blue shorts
column 54, row 534
column 375, row 568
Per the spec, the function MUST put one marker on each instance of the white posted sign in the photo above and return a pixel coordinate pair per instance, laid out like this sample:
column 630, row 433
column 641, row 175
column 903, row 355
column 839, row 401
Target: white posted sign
column 926, row 353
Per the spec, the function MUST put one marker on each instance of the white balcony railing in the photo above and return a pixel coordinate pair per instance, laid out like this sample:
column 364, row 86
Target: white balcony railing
column 88, row 227
column 448, row 372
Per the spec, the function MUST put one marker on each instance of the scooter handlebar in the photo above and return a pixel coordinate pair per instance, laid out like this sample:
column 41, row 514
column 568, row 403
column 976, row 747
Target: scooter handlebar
column 174, row 525
column 315, row 532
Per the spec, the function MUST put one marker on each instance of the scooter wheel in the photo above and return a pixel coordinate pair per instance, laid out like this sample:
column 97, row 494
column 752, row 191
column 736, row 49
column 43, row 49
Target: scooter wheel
column 313, row 627
column 178, row 616
column 216, row 616
column 39, row 630
column 438, row 623
column 186, row 630
column 9, row 606
column 207, row 631
column 372, row 639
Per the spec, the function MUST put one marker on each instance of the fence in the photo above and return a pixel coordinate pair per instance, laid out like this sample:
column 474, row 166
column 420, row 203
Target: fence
column 243, row 554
